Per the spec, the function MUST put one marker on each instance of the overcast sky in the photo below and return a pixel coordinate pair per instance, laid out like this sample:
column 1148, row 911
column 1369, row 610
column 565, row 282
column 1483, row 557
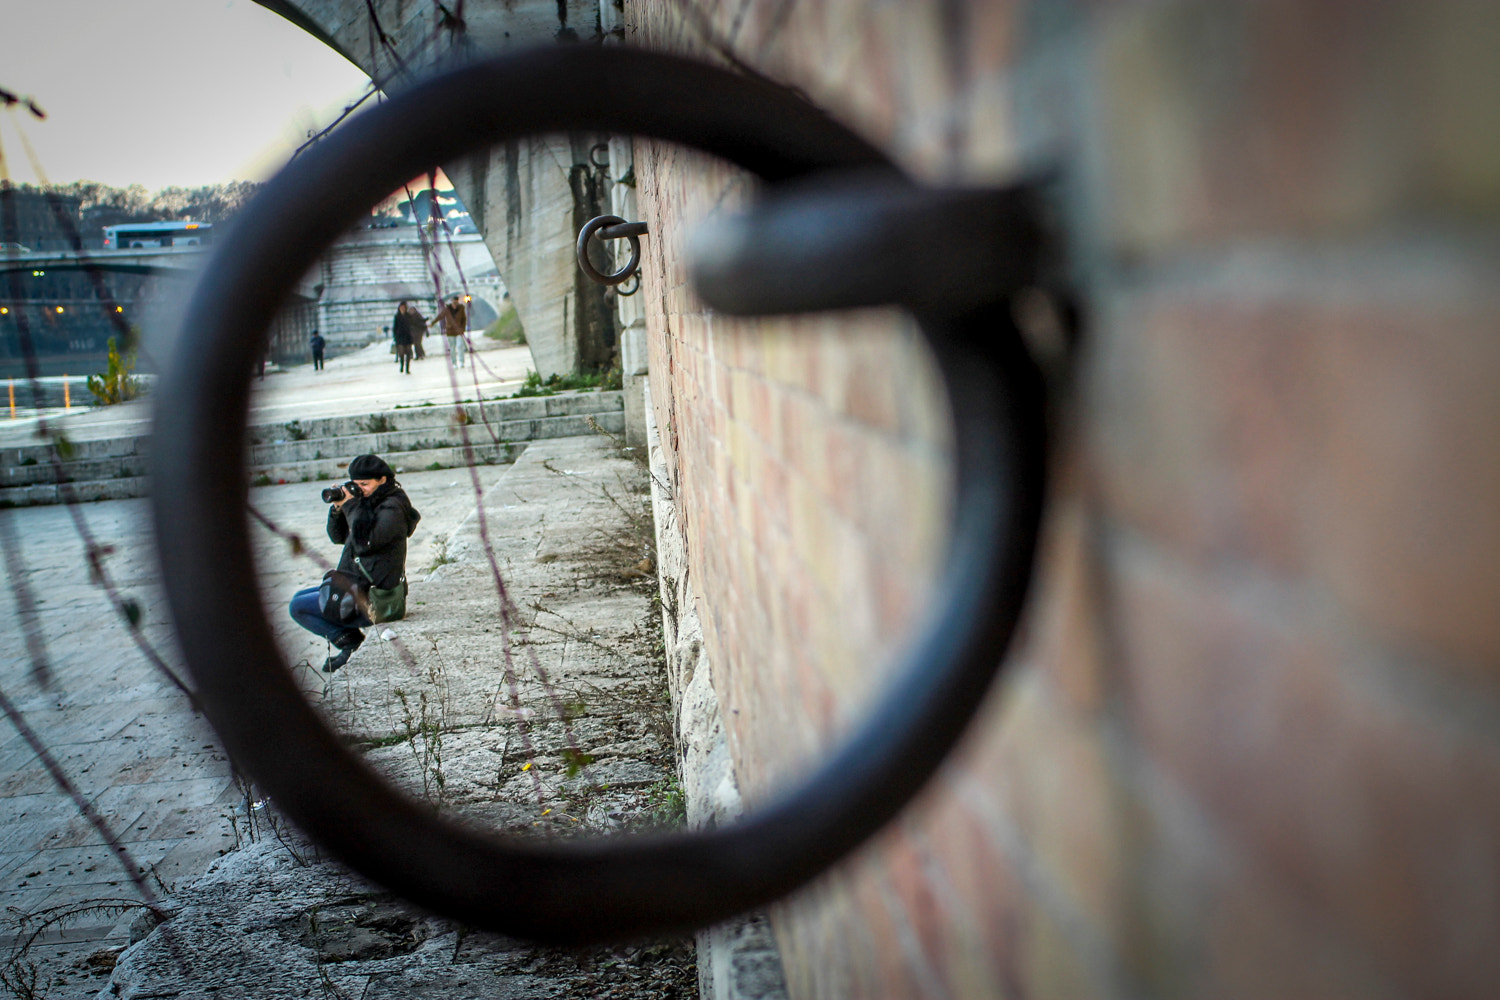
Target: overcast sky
column 163, row 92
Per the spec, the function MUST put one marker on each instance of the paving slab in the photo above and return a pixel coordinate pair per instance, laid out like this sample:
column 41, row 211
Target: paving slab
column 364, row 381
column 569, row 527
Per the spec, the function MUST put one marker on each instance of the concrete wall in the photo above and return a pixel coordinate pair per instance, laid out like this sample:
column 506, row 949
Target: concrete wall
column 535, row 195
column 1250, row 744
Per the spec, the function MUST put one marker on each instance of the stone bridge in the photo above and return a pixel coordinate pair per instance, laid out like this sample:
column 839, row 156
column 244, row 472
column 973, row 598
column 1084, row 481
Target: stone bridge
column 528, row 198
column 358, row 283
column 153, row 260
column 351, row 295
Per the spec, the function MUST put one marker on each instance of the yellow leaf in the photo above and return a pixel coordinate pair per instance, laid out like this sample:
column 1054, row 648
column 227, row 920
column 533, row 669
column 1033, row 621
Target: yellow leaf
column 526, row 766
column 546, row 811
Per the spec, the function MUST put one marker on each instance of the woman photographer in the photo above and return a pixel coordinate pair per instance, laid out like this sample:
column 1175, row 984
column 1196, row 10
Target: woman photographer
column 372, row 521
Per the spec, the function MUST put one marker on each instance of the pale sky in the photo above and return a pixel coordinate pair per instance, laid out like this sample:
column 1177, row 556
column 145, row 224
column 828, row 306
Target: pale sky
column 163, row 92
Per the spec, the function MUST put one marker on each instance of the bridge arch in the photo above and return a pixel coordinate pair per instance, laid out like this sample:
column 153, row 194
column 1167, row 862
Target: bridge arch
column 529, row 198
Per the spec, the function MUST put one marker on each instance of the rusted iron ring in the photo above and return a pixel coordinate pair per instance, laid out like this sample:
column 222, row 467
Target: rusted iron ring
column 620, row 887
column 602, row 225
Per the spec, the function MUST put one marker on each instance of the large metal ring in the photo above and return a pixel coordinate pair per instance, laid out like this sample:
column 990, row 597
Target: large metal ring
column 612, row 887
column 587, row 232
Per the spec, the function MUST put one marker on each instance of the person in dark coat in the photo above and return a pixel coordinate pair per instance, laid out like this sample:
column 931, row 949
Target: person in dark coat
column 372, row 525
column 402, row 336
column 317, row 343
column 418, row 330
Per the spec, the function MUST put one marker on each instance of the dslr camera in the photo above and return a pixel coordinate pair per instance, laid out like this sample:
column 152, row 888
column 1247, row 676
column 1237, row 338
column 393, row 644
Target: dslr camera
column 335, row 493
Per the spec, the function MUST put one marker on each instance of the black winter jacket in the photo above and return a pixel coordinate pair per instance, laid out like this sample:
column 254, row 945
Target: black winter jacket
column 373, row 530
column 406, row 327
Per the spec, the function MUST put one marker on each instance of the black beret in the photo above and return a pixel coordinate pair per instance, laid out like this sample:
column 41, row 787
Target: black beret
column 370, row 467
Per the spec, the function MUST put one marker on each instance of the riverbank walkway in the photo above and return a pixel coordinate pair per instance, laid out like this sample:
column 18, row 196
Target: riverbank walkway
column 571, row 530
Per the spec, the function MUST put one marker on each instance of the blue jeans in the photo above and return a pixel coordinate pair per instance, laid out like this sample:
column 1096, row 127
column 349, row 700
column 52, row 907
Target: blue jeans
column 304, row 609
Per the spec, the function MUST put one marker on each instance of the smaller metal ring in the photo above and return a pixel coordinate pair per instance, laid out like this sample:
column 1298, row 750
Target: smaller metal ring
column 595, row 148
column 620, row 288
column 589, row 228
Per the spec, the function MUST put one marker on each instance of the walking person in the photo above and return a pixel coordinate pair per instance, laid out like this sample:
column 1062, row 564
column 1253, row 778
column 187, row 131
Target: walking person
column 418, row 331
column 402, row 336
column 455, row 317
column 372, row 518
column 317, row 343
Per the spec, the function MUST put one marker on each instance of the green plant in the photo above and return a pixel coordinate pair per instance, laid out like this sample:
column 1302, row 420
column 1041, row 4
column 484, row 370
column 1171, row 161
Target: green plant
column 29, row 460
column 507, row 326
column 424, row 732
column 296, row 432
column 261, row 480
column 116, row 385
column 63, row 444
column 668, row 803
column 575, row 761
column 435, row 466
column 440, row 557
column 535, row 385
column 377, row 423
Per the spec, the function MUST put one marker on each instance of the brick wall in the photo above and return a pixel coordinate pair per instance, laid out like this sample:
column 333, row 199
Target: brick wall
column 1250, row 742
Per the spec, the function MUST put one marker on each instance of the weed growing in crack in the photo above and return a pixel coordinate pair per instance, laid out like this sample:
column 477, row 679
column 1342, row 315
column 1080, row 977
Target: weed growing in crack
column 424, row 734
column 440, row 556
column 377, row 423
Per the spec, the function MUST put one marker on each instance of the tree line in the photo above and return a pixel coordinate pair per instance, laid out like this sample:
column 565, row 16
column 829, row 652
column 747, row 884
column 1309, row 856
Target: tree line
column 104, row 205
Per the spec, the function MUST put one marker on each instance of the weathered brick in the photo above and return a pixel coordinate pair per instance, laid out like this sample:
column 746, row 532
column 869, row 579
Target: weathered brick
column 1251, row 754
column 1284, row 117
column 1065, row 639
column 1275, row 722
column 1296, row 432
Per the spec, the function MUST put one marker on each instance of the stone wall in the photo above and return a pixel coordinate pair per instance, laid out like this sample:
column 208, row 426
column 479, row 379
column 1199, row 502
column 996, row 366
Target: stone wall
column 1248, row 745
column 363, row 278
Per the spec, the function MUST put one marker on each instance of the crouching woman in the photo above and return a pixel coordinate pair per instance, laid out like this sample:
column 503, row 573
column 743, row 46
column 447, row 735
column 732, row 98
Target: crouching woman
column 372, row 521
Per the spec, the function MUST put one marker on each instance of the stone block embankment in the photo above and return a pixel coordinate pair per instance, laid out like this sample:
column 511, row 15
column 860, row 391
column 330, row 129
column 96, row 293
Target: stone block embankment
column 410, row 438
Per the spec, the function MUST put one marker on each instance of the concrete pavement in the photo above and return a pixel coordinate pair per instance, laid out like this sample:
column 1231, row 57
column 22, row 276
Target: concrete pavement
column 362, row 382
column 563, row 528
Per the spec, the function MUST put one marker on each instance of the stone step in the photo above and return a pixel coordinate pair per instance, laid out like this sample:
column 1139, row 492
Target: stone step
column 327, row 472
column 45, row 472
column 324, row 472
column 328, row 452
column 447, row 435
column 441, row 417
column 415, row 418
column 112, row 469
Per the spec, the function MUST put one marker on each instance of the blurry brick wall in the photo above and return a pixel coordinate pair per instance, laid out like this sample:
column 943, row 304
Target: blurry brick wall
column 1250, row 744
